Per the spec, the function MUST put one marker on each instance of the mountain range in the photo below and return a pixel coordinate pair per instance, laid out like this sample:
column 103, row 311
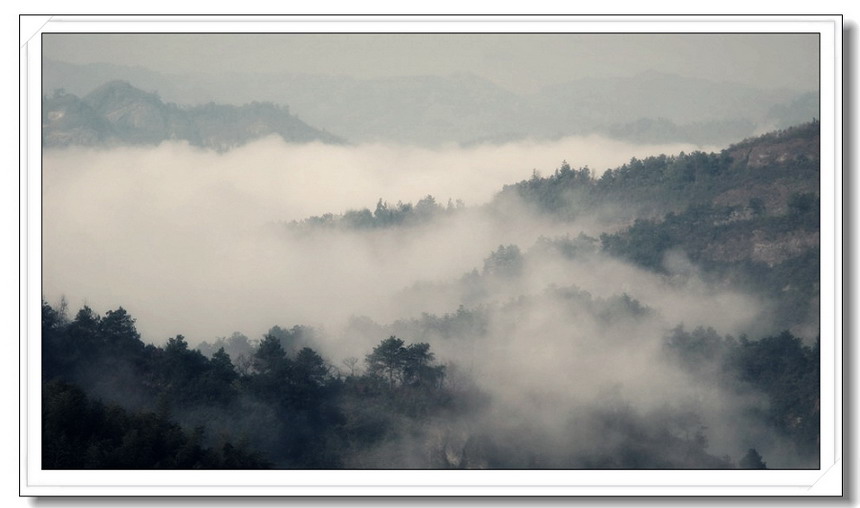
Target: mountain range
column 466, row 109
column 119, row 113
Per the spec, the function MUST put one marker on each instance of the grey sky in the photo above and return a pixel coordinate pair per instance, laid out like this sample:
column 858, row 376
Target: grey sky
column 520, row 62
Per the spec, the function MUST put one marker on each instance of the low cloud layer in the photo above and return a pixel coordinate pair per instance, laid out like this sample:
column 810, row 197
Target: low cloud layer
column 192, row 242
column 178, row 235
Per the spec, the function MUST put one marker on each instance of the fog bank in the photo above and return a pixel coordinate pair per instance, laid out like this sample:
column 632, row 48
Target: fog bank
column 180, row 236
column 196, row 243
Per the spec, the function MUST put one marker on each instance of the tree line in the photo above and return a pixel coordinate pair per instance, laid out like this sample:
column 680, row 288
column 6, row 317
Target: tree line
column 111, row 401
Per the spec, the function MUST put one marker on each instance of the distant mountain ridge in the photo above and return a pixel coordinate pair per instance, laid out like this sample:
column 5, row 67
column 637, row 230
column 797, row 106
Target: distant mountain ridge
column 118, row 113
column 650, row 107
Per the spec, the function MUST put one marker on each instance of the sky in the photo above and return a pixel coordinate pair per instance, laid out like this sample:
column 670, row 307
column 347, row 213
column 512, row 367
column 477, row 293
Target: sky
column 518, row 62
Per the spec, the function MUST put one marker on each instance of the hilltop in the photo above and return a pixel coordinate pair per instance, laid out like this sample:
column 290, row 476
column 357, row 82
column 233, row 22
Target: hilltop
column 747, row 217
column 118, row 113
column 463, row 108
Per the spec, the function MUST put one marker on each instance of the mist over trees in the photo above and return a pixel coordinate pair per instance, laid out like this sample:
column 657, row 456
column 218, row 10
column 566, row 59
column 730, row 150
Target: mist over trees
column 660, row 315
column 400, row 409
column 384, row 215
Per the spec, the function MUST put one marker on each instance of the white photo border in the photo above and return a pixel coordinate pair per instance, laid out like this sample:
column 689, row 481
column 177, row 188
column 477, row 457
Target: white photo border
column 825, row 481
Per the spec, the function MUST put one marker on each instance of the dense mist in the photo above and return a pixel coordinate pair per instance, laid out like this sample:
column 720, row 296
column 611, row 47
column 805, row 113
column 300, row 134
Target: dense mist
column 187, row 239
column 517, row 251
column 560, row 354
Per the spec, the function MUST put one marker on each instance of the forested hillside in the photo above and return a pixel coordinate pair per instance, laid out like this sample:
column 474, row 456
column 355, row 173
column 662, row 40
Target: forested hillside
column 747, row 216
column 661, row 315
column 757, row 176
column 111, row 402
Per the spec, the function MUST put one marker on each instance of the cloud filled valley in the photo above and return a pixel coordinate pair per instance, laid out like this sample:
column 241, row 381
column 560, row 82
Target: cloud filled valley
column 190, row 230
column 560, row 352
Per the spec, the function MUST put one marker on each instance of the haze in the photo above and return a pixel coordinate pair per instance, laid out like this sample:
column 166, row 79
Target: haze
column 171, row 232
column 518, row 62
column 558, row 335
column 191, row 242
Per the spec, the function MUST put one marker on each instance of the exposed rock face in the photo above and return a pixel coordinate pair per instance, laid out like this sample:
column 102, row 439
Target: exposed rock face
column 779, row 148
column 774, row 196
column 773, row 156
column 763, row 247
column 783, row 153
column 120, row 114
column 775, row 250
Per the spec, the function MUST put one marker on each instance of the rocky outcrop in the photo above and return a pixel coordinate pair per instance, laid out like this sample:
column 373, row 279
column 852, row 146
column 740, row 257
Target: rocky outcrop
column 802, row 143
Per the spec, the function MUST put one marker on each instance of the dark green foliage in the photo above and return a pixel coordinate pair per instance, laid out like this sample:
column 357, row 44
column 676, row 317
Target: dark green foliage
column 752, row 460
column 84, row 330
column 559, row 193
column 80, row 433
column 645, row 243
column 788, row 372
column 418, row 368
column 180, row 406
column 699, row 347
column 615, row 309
column 106, row 358
column 313, row 419
column 56, row 353
column 747, row 217
column 185, row 376
column 695, row 232
column 652, row 185
column 757, row 206
column 803, row 208
column 384, row 216
column 388, row 360
column 119, row 333
column 102, row 354
column 663, row 439
column 271, row 372
column 222, row 368
column 464, row 323
column 404, row 365
column 788, row 274
column 295, row 338
column 506, row 261
column 308, row 379
column 802, row 131
column 270, row 357
column 781, row 367
column 612, row 435
column 289, row 405
column 655, row 186
column 571, row 248
column 237, row 347
column 622, row 306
